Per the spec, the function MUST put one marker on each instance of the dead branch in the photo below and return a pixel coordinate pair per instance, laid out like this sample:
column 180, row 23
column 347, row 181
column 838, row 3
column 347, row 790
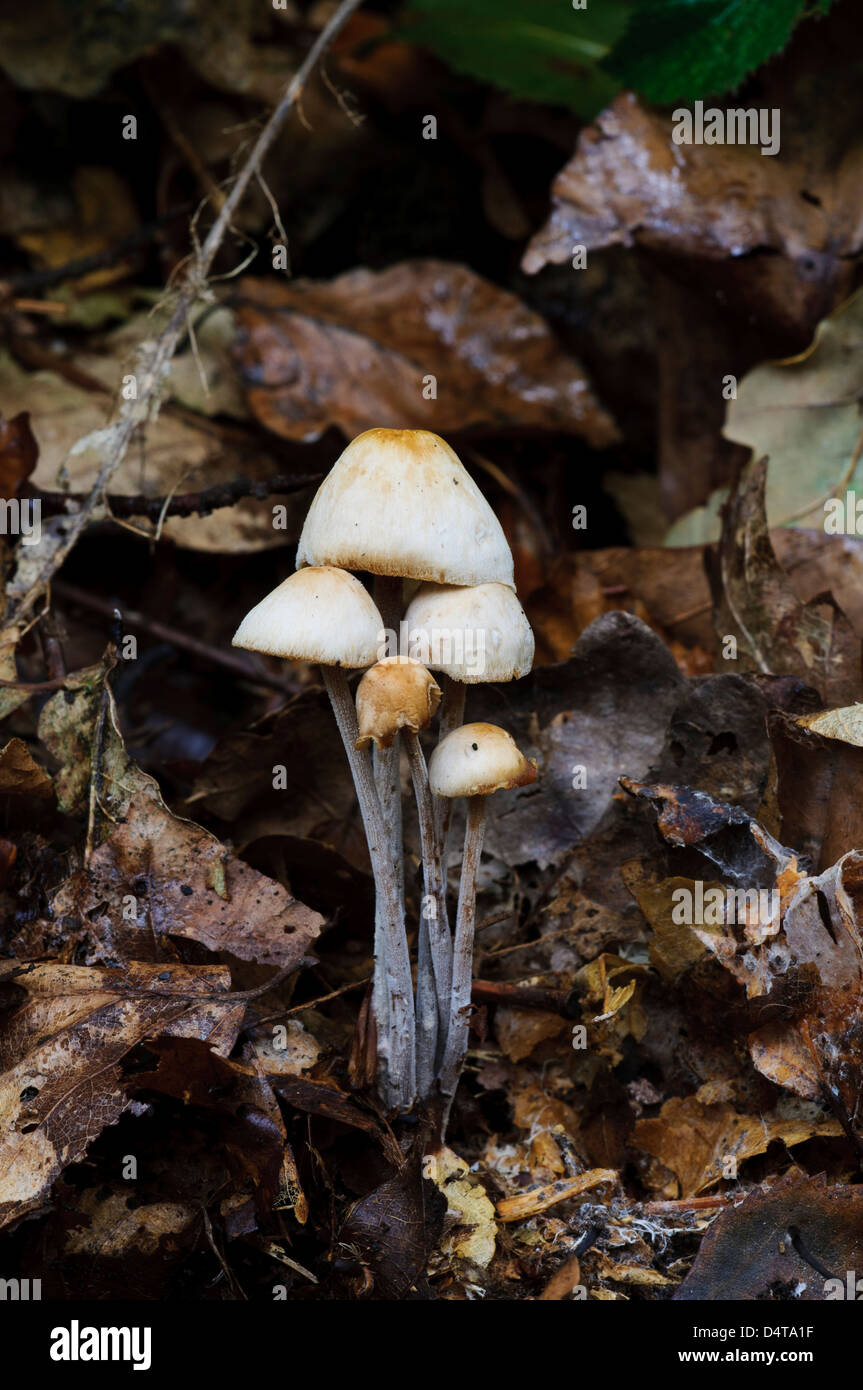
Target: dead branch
column 153, row 359
column 201, row 503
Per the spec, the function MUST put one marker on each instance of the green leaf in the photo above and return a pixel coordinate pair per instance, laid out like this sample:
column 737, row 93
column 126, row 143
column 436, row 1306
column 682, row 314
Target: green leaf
column 542, row 50
column 803, row 413
column 677, row 50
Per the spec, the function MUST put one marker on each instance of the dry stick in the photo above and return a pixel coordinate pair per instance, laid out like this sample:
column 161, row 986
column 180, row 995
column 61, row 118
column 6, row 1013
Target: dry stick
column 434, row 954
column 462, row 965
column 154, row 359
column 395, row 1023
column 202, row 503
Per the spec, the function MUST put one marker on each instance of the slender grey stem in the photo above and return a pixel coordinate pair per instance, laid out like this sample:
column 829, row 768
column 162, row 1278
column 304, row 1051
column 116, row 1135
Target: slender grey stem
column 426, row 1012
column 388, row 597
column 451, row 717
column 392, row 993
column 434, row 972
column 462, row 965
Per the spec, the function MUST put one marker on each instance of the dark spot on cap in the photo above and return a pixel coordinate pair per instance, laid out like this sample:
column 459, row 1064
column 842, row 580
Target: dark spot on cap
column 186, row 890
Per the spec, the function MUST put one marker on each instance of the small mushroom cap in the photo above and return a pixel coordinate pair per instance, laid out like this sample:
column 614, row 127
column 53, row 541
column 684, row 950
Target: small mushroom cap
column 319, row 614
column 399, row 502
column 472, row 634
column 477, row 759
column 395, row 694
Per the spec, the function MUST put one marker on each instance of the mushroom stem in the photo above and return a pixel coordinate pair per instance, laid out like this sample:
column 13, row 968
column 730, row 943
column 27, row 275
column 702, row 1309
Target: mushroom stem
column 434, row 968
column 392, row 992
column 462, row 965
column 451, row 717
column 388, row 598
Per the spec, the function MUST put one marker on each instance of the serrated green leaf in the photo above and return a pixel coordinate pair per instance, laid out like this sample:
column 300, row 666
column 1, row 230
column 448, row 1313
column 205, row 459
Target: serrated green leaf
column 542, row 50
column 679, row 50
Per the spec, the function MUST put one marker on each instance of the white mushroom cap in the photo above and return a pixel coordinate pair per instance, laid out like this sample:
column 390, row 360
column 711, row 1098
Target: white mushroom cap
column 472, row 634
column 322, row 614
column 399, row 502
column 395, row 694
column 477, row 759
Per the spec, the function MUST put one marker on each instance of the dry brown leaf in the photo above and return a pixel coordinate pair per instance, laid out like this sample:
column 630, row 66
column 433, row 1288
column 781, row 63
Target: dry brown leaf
column 360, row 351
column 563, row 1281
column 20, row 774
column 520, row 1031
column 63, row 1045
column 704, row 1143
column 19, row 453
column 156, row 877
column 628, row 183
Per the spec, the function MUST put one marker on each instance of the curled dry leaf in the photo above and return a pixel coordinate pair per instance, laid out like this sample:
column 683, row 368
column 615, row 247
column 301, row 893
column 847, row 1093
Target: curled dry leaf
column 628, row 184
column 67, row 1030
column 755, row 603
column 795, row 944
column 20, row 774
column 469, row 1229
column 364, row 349
column 19, row 453
column 703, row 1143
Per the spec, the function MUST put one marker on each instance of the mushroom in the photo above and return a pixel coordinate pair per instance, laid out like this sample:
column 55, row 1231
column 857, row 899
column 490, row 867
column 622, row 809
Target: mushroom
column 400, row 695
column 324, row 615
column 472, row 761
column 469, row 635
column 401, row 505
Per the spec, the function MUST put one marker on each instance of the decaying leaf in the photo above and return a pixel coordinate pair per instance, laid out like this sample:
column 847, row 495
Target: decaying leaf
column 705, row 1143
column 179, row 453
column 787, row 1241
column 20, row 774
column 394, row 1228
column 756, row 606
column 156, row 877
column 470, row 1231
column 362, row 350
column 630, row 183
column 19, row 453
column 67, row 1029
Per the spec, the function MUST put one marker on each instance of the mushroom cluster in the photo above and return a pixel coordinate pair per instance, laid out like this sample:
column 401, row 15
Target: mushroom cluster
column 400, row 506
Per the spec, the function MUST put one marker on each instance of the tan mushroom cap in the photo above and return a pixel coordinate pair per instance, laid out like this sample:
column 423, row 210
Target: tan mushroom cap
column 397, row 693
column 321, row 614
column 399, row 502
column 477, row 759
column 472, row 634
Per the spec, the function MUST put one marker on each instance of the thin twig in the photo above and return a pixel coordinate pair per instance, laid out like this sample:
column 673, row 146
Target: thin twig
column 151, row 368
column 201, row 503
